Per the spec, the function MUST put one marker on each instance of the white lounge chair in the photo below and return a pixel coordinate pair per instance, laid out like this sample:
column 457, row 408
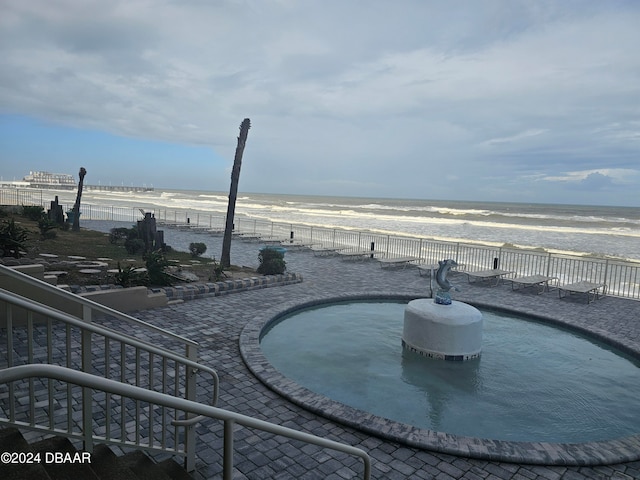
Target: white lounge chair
column 396, row 261
column 592, row 290
column 541, row 282
column 495, row 274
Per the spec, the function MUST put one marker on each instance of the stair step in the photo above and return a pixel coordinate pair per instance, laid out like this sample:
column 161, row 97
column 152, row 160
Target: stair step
column 143, row 466
column 174, row 470
column 71, row 470
column 108, row 466
column 11, row 440
column 102, row 464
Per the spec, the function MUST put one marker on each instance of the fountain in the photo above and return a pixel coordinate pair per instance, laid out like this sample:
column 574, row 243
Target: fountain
column 442, row 328
column 352, row 359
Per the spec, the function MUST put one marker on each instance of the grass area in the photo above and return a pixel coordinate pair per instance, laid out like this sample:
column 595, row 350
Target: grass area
column 94, row 245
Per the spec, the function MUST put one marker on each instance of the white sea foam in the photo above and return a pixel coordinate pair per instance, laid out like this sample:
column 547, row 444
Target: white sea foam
column 609, row 230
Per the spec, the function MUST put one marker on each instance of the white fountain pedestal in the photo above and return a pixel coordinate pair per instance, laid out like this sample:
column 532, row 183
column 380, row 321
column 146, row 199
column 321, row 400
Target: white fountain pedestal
column 448, row 332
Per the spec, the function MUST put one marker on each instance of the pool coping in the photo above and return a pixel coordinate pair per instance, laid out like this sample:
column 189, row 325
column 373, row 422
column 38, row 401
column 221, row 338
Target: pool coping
column 607, row 452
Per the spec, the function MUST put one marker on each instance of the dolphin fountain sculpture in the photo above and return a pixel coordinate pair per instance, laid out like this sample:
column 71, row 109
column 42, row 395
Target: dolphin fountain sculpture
column 443, row 297
column 441, row 328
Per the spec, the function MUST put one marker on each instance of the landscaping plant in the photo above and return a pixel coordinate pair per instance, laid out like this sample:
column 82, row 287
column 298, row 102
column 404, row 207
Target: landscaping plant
column 271, row 262
column 157, row 265
column 197, row 248
column 12, row 239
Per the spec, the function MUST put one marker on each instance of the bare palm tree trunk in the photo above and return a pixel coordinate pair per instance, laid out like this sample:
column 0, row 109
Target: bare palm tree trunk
column 225, row 258
column 76, row 206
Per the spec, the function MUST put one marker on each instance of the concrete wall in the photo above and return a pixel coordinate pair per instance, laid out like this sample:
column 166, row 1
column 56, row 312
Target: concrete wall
column 121, row 299
column 127, row 299
column 35, row 293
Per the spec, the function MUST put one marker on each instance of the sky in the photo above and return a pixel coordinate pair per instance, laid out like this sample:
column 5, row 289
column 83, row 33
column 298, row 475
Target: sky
column 489, row 100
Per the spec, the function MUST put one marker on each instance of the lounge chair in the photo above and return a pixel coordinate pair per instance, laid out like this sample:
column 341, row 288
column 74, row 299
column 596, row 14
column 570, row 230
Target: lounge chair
column 494, row 274
column 592, row 290
column 427, row 268
column 354, row 254
column 541, row 282
column 396, row 261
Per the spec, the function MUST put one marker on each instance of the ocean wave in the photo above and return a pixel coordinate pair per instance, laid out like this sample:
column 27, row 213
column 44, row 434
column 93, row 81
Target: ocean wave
column 572, row 229
column 439, row 214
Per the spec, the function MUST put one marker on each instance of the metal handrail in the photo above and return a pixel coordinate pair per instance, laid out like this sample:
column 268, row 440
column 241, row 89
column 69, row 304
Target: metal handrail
column 87, row 329
column 230, row 418
column 35, row 307
column 40, row 284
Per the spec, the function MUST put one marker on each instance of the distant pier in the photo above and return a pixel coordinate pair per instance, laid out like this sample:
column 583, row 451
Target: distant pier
column 103, row 188
column 118, row 188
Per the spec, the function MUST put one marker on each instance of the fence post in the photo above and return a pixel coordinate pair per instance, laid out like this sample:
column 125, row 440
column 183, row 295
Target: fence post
column 190, row 393
column 87, row 393
column 227, row 459
column 548, row 264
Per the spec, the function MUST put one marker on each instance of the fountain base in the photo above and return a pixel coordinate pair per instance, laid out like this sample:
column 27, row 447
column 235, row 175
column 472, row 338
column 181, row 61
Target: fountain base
column 447, row 332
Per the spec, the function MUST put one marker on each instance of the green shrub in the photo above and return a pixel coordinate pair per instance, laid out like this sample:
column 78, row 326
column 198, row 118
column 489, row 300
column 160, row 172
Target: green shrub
column 12, row 239
column 271, row 262
column 47, row 227
column 129, row 277
column 156, row 268
column 33, row 212
column 197, row 249
column 134, row 245
column 217, row 273
column 119, row 234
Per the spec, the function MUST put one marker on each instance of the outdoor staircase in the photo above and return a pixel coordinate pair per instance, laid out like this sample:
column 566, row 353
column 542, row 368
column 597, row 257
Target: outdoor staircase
column 104, row 465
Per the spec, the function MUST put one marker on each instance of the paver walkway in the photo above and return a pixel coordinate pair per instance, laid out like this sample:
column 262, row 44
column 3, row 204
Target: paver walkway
column 216, row 323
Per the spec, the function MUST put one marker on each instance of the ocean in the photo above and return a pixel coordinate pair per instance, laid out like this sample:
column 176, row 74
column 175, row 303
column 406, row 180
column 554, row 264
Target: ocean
column 576, row 229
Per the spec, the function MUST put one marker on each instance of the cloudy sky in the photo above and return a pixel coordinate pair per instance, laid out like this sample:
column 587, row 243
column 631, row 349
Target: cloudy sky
column 506, row 100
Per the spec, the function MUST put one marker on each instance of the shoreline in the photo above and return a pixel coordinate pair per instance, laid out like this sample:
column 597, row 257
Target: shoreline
column 577, row 230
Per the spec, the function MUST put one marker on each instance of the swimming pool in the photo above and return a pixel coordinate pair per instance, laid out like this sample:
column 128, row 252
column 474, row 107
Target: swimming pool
column 533, row 383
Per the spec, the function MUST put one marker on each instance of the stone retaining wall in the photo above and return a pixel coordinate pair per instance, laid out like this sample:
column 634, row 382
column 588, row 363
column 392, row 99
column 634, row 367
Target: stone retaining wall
column 191, row 291
column 199, row 290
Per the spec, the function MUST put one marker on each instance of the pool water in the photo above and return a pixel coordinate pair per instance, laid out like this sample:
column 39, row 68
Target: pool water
column 533, row 382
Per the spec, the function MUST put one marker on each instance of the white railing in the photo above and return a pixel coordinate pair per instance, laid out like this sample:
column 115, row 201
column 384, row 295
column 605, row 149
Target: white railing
column 124, row 391
column 53, row 336
column 622, row 277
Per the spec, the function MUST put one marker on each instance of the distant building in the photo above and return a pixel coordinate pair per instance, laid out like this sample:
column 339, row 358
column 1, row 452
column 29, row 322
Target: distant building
column 50, row 180
column 64, row 181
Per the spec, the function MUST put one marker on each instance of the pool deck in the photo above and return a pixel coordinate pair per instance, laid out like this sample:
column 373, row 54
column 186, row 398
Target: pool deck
column 217, row 323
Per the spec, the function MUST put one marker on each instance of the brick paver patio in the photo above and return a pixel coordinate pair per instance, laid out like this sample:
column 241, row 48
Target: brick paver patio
column 217, row 322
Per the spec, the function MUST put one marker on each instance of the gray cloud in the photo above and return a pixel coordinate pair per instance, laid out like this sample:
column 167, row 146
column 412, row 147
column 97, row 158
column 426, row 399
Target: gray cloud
column 346, row 99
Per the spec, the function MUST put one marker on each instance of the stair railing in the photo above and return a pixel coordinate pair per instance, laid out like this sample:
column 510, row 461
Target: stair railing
column 54, row 337
column 83, row 307
column 230, row 419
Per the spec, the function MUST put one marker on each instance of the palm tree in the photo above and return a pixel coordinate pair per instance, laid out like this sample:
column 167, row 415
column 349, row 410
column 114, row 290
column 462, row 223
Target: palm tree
column 76, row 206
column 225, row 258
